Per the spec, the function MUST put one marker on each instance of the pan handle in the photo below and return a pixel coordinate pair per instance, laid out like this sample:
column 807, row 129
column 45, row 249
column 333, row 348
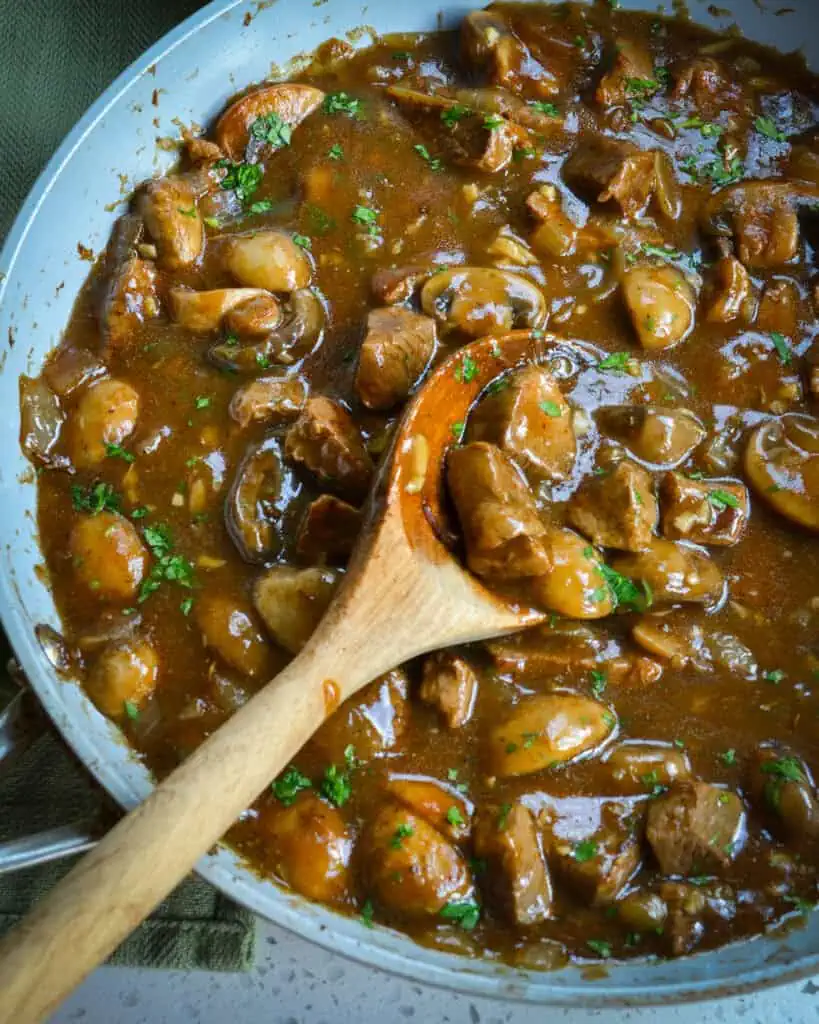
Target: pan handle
column 22, row 722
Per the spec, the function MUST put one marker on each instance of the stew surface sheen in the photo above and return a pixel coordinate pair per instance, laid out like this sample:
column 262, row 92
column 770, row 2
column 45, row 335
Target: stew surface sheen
column 631, row 779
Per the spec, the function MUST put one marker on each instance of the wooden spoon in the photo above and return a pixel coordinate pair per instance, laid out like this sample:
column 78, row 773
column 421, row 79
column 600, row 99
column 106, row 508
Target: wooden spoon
column 404, row 594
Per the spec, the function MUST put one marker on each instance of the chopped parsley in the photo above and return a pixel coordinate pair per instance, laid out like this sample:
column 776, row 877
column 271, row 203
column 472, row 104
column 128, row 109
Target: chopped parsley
column 116, row 451
column 367, row 218
column 729, row 757
column 599, row 946
column 435, row 162
column 625, row 591
column 289, row 784
column 169, row 566
column 335, row 152
column 454, row 816
column 616, row 362
column 187, row 213
column 131, row 710
column 542, row 107
column 767, row 126
column 321, row 222
column 270, row 128
column 261, row 206
column 452, row 115
column 493, row 121
column 243, row 178
column 785, row 769
column 782, row 348
column 585, row 850
column 774, row 675
column 341, row 103
column 404, row 831
column 335, row 786
column 367, row 913
column 598, row 684
column 464, row 913
column 457, row 429
column 466, row 371
column 550, row 408
column 202, row 402
column 716, row 172
column 663, row 252
column 303, row 241
column 708, row 129
column 98, row 497
column 186, row 606
column 722, row 500
column 503, row 816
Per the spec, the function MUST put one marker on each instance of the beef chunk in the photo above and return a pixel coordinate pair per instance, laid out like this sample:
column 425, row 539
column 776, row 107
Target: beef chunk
column 507, row 838
column 527, row 417
column 779, row 308
column 567, row 653
column 393, row 285
column 396, row 351
column 599, row 866
column 329, row 530
column 451, row 686
column 690, row 911
column 712, row 87
column 489, row 44
column 503, row 532
column 269, row 400
column 168, row 206
column 603, row 168
column 632, row 63
column 695, row 827
column 703, row 511
column 326, row 441
column 617, row 510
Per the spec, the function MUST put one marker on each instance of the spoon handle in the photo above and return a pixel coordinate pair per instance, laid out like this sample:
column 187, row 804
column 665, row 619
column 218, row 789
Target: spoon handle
column 143, row 857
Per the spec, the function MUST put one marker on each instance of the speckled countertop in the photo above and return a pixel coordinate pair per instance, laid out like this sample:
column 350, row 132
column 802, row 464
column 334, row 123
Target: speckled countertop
column 297, row 983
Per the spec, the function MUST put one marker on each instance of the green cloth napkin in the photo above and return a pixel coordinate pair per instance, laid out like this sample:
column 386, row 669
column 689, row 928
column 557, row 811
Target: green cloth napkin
column 56, row 57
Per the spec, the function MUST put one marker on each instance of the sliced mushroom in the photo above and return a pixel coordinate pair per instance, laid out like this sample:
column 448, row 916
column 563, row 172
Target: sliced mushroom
column 528, row 418
column 251, row 510
column 489, row 44
column 255, row 317
column 547, row 730
column 168, row 207
column 269, row 260
column 661, row 303
column 269, row 400
column 129, row 297
column 731, row 292
column 292, row 601
column 637, row 765
column 108, row 555
column 661, row 438
column 41, row 423
column 300, row 331
column 204, row 311
column 762, row 217
column 123, row 677
column 290, row 102
column 480, row 300
column 673, row 573
column 574, row 586
column 394, row 355
column 71, row 369
column 782, row 464
column 233, row 631
column 106, row 414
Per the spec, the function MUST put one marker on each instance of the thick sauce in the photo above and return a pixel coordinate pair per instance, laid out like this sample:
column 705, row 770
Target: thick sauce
column 635, row 784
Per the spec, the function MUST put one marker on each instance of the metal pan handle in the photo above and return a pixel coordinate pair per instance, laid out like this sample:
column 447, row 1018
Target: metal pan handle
column 21, row 724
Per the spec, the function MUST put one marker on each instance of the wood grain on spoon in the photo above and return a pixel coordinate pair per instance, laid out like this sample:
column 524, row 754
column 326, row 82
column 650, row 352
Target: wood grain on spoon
column 404, row 594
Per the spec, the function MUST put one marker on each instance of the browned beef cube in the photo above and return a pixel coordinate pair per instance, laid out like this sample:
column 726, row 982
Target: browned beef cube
column 507, row 838
column 703, row 511
column 451, row 686
column 617, row 510
column 695, row 827
column 326, row 441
